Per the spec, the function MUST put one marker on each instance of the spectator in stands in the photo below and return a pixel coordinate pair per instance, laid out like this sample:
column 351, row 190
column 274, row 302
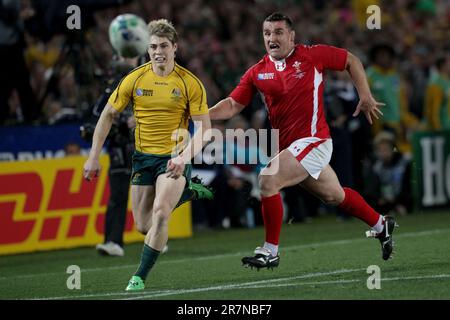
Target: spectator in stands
column 390, row 185
column 437, row 102
column 120, row 150
column 242, row 167
column 15, row 74
column 386, row 85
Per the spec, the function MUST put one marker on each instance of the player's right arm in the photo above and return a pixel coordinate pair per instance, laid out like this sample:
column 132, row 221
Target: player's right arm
column 225, row 109
column 92, row 165
column 117, row 102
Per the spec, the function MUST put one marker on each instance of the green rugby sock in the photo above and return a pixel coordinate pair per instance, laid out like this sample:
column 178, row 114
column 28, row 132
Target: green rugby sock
column 148, row 259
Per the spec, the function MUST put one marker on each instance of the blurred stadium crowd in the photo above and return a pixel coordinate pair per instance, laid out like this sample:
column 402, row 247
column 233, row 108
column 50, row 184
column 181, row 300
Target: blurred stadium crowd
column 64, row 72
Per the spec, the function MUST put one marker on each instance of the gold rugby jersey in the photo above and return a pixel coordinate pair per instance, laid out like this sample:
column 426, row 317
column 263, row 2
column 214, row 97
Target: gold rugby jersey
column 161, row 105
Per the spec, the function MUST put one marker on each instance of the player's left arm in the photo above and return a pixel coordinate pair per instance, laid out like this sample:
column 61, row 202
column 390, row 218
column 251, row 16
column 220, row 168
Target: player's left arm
column 198, row 109
column 367, row 104
column 202, row 135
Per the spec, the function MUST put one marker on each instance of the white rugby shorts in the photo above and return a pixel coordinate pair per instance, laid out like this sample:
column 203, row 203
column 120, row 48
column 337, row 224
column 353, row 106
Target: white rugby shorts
column 313, row 153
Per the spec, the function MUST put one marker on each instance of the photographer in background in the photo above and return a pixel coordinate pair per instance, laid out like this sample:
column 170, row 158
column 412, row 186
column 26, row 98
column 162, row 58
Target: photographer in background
column 389, row 180
column 120, row 149
column 130, row 51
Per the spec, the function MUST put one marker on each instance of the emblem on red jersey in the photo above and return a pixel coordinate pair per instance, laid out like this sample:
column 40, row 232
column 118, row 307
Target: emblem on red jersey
column 298, row 72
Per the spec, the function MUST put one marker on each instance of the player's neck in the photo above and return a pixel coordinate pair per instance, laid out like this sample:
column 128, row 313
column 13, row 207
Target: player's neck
column 163, row 70
column 283, row 58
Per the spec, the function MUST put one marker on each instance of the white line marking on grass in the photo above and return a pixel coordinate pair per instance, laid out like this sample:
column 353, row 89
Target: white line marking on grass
column 162, row 293
column 272, row 285
column 228, row 255
column 268, row 283
column 436, row 276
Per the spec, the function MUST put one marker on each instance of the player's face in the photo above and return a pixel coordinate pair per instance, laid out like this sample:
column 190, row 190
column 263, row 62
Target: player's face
column 161, row 51
column 278, row 39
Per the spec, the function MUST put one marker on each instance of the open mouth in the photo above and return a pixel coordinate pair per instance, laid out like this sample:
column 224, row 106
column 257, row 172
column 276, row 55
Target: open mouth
column 160, row 59
column 274, row 46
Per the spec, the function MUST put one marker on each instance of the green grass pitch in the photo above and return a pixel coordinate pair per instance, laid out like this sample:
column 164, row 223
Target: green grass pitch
column 324, row 259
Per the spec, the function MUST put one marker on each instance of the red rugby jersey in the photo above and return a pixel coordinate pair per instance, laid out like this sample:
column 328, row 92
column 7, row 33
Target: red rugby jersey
column 293, row 90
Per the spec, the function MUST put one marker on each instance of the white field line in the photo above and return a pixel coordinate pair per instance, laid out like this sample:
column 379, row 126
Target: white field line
column 269, row 285
column 221, row 287
column 221, row 256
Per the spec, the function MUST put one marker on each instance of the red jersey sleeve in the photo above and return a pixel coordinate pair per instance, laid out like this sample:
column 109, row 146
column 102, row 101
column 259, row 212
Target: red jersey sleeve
column 329, row 57
column 244, row 91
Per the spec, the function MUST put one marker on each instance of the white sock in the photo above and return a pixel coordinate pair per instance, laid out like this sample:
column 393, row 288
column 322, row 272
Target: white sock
column 271, row 247
column 379, row 226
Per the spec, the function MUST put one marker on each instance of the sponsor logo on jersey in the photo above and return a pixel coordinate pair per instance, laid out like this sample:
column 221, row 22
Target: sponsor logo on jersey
column 266, row 76
column 144, row 92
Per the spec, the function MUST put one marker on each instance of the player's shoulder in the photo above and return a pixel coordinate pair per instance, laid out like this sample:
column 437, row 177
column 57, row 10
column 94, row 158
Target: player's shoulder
column 260, row 65
column 304, row 51
column 308, row 48
column 138, row 71
column 186, row 75
column 318, row 51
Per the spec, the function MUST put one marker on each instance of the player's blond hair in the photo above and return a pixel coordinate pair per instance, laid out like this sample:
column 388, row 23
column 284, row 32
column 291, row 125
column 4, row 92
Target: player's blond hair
column 163, row 28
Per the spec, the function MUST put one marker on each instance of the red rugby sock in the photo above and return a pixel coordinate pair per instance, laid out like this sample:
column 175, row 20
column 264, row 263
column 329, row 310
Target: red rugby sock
column 356, row 206
column 272, row 212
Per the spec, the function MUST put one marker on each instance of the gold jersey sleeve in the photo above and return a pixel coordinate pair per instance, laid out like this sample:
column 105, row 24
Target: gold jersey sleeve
column 121, row 96
column 196, row 93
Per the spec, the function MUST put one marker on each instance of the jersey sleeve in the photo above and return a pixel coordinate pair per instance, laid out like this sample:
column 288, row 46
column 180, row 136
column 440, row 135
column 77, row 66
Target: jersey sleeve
column 123, row 93
column 244, row 91
column 198, row 104
column 329, row 57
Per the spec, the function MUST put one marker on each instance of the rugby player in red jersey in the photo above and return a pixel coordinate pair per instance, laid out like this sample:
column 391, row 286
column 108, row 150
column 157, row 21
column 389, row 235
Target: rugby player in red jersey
column 291, row 79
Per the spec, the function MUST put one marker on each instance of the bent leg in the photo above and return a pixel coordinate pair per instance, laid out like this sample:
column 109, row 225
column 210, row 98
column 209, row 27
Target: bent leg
column 328, row 189
column 283, row 171
column 164, row 197
column 168, row 193
column 289, row 172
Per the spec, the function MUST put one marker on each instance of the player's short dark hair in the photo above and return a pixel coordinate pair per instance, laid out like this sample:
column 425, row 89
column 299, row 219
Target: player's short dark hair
column 278, row 16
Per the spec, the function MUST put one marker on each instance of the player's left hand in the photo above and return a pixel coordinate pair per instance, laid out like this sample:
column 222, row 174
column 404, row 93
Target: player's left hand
column 370, row 107
column 175, row 167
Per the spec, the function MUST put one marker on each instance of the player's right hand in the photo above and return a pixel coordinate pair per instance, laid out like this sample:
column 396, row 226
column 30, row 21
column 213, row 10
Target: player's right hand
column 91, row 169
column 370, row 107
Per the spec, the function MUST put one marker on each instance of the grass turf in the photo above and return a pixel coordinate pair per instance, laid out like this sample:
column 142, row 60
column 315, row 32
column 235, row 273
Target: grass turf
column 324, row 259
